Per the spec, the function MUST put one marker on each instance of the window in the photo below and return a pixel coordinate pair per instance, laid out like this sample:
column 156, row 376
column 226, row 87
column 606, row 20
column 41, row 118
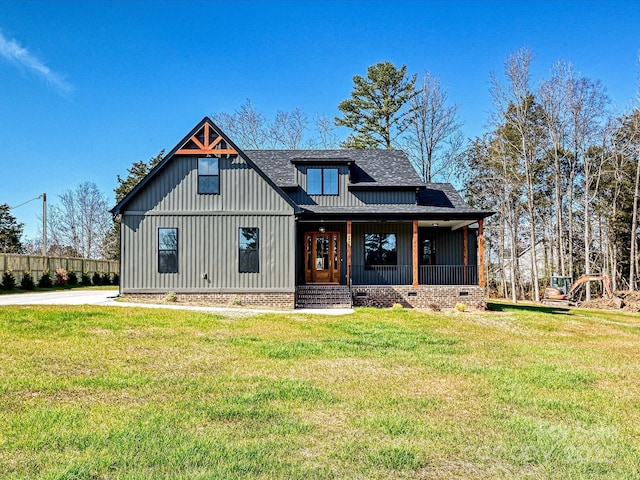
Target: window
column 208, row 175
column 428, row 252
column 322, row 181
column 380, row 249
column 249, row 250
column 168, row 250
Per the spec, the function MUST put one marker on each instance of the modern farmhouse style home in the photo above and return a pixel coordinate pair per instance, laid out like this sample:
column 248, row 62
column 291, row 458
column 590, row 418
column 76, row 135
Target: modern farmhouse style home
column 297, row 228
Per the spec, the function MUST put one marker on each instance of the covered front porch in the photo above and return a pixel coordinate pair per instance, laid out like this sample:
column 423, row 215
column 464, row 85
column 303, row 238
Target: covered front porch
column 426, row 263
column 391, row 253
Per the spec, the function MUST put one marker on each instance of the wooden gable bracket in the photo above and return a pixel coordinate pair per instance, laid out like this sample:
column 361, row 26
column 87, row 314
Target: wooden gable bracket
column 206, row 141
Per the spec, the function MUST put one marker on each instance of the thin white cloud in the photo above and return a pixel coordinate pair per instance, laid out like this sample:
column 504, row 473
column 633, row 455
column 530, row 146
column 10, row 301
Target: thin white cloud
column 13, row 52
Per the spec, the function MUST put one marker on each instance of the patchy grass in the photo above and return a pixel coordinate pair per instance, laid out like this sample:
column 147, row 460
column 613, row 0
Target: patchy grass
column 94, row 392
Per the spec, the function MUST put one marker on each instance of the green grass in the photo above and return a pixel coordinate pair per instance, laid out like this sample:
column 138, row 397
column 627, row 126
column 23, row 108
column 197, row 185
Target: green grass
column 110, row 393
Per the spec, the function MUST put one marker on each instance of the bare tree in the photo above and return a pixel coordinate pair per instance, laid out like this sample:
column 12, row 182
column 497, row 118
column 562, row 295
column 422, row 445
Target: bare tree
column 80, row 220
column 516, row 109
column 433, row 138
column 586, row 102
column 247, row 126
column 288, row 129
column 252, row 130
column 553, row 95
column 326, row 137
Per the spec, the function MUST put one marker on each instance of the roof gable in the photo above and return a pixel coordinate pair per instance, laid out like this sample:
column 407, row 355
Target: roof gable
column 206, row 138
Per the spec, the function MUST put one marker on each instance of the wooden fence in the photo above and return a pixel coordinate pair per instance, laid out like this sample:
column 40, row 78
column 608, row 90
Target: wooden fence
column 37, row 264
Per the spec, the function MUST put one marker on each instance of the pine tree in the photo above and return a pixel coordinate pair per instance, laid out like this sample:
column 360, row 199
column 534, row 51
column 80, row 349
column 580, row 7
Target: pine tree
column 10, row 231
column 378, row 110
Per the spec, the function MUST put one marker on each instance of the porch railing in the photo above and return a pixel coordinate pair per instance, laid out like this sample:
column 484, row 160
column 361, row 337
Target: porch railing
column 448, row 275
column 381, row 274
column 403, row 275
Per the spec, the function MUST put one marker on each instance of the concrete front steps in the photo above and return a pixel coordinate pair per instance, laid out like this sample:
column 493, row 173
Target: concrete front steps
column 323, row 296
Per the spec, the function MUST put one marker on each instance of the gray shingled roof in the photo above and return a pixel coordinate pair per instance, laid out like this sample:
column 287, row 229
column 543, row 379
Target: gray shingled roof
column 370, row 168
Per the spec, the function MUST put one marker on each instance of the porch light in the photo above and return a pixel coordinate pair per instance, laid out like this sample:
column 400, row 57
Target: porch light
column 321, row 230
column 435, row 224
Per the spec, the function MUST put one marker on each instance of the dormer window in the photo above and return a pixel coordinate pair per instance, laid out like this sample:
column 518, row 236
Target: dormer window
column 322, row 181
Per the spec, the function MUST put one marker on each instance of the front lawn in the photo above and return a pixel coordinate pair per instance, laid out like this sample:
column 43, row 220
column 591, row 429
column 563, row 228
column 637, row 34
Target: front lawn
column 94, row 392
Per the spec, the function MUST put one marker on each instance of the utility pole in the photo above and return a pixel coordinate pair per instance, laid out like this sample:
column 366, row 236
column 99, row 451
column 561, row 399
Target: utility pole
column 44, row 224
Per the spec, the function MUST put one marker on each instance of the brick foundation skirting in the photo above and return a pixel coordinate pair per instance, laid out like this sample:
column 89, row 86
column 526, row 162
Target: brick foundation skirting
column 423, row 296
column 258, row 299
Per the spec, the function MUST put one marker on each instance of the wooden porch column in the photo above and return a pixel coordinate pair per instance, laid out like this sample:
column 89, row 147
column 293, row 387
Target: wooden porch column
column 414, row 255
column 481, row 280
column 465, row 253
column 348, row 252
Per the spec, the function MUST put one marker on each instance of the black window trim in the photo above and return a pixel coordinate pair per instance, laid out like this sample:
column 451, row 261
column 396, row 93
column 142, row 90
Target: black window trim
column 241, row 250
column 168, row 250
column 370, row 266
column 202, row 175
column 322, row 170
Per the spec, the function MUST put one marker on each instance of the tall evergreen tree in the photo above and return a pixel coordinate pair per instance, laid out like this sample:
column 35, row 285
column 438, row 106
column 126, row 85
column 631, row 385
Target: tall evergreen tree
column 10, row 231
column 137, row 171
column 379, row 108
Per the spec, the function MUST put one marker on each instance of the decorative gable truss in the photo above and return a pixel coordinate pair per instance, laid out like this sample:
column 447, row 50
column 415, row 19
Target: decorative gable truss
column 206, row 141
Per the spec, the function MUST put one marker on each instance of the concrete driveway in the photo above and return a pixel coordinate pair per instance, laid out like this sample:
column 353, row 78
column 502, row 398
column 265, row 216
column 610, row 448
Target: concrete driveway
column 107, row 298
column 62, row 297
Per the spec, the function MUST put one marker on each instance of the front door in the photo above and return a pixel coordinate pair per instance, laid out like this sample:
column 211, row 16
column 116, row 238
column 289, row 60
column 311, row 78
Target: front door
column 322, row 257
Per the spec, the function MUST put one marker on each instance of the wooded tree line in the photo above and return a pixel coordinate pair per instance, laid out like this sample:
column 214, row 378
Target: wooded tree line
column 562, row 173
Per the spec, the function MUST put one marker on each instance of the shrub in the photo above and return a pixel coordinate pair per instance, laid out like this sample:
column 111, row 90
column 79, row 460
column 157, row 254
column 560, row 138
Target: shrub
column 171, row 297
column 235, row 301
column 27, row 282
column 61, row 277
column 115, row 279
column 45, row 280
column 8, row 280
column 96, row 279
column 72, row 278
column 461, row 307
column 85, row 279
column 397, row 306
column 435, row 307
column 106, row 279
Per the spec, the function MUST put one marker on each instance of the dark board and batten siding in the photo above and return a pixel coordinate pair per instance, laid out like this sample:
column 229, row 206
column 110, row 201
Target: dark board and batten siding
column 207, row 244
column 207, row 231
column 346, row 197
column 175, row 189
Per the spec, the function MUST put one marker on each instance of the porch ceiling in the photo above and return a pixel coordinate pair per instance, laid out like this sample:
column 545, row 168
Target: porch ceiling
column 452, row 224
column 444, row 224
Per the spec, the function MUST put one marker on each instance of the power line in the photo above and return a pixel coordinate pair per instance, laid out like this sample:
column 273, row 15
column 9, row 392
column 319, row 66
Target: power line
column 24, row 203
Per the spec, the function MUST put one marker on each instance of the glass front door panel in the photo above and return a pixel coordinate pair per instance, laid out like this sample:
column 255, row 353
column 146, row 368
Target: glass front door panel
column 322, row 257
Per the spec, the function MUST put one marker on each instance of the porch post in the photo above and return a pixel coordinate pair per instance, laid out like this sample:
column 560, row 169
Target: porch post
column 348, row 252
column 481, row 280
column 414, row 256
column 465, row 253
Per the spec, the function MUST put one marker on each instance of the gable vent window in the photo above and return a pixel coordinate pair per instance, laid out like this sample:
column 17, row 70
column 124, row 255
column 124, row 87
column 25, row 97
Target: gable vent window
column 167, row 250
column 249, row 250
column 322, row 181
column 208, row 175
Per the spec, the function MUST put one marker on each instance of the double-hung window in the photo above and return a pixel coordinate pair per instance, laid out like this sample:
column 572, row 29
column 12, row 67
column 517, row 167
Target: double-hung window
column 249, row 250
column 208, row 175
column 322, row 181
column 380, row 249
column 167, row 250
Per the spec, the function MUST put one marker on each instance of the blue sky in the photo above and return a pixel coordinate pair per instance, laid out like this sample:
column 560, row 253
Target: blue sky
column 88, row 87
